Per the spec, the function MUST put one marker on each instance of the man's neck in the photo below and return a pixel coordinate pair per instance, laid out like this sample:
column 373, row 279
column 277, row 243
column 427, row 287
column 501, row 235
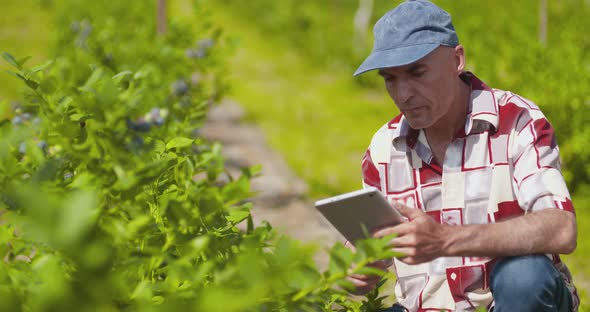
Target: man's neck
column 445, row 130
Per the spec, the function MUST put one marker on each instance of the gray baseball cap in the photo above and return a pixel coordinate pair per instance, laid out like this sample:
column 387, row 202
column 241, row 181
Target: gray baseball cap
column 408, row 33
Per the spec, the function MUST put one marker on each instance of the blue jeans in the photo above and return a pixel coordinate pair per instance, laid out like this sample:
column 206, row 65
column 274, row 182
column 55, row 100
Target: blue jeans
column 529, row 283
column 525, row 283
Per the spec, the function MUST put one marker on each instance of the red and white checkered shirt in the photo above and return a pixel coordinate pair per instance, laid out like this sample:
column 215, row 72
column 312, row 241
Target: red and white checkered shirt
column 504, row 164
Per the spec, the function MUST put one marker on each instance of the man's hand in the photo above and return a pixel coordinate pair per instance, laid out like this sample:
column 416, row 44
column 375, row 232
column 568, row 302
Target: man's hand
column 365, row 283
column 421, row 238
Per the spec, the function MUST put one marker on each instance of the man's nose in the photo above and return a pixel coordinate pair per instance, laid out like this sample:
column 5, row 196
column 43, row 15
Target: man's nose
column 403, row 92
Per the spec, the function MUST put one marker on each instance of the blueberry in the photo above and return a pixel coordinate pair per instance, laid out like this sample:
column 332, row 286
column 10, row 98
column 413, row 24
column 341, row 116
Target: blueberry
column 155, row 112
column 85, row 30
column 68, row 175
column 17, row 120
column 137, row 142
column 26, row 116
column 201, row 53
column 192, row 53
column 140, row 125
column 206, row 43
column 179, row 87
column 196, row 53
column 42, row 145
column 22, row 148
column 159, row 121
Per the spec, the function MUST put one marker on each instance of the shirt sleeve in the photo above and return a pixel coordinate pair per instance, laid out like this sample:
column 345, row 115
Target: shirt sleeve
column 537, row 179
column 371, row 176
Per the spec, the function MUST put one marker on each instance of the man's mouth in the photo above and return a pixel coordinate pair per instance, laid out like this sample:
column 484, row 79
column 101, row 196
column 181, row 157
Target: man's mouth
column 412, row 109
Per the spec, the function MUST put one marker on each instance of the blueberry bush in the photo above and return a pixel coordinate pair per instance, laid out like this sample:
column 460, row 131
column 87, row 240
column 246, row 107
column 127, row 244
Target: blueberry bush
column 110, row 200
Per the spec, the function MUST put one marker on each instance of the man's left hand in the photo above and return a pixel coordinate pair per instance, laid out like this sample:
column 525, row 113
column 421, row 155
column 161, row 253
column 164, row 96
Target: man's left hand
column 420, row 239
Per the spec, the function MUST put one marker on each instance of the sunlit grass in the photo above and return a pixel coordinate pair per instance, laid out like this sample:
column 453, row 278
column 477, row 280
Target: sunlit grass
column 25, row 30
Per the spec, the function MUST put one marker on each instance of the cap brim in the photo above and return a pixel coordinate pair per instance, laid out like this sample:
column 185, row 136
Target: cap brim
column 395, row 57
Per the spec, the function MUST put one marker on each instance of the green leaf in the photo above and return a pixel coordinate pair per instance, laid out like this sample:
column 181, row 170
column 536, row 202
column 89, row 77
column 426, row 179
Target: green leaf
column 123, row 77
column 237, row 190
column 49, row 85
column 252, row 171
column 11, row 60
column 93, row 79
column 159, row 146
column 13, row 74
column 79, row 216
column 23, row 60
column 125, row 179
column 238, row 215
column 41, row 67
column 137, row 225
column 249, row 224
column 340, row 259
column 30, row 82
column 77, row 116
column 179, row 142
column 199, row 244
column 367, row 270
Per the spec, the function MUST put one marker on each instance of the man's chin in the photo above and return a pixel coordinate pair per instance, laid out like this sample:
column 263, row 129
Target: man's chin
column 417, row 124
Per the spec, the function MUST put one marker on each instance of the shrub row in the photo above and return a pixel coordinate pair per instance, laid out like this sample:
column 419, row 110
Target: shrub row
column 109, row 198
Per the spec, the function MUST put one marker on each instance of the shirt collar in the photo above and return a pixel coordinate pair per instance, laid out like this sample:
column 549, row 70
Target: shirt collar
column 483, row 107
column 482, row 115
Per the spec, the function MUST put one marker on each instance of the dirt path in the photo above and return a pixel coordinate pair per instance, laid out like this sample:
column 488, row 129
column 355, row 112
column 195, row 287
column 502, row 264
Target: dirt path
column 281, row 194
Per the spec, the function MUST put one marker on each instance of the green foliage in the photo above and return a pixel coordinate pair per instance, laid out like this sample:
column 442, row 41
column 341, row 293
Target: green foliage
column 110, row 200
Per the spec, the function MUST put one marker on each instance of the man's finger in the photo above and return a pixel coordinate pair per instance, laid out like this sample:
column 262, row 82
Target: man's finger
column 381, row 264
column 410, row 256
column 385, row 231
column 369, row 279
column 350, row 246
column 410, row 213
column 362, row 287
column 400, row 229
column 403, row 241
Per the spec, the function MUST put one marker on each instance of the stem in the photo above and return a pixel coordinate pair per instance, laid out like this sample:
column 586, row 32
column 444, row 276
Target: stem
column 161, row 18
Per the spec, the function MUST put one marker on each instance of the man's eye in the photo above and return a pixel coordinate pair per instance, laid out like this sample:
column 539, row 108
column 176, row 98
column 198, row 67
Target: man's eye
column 418, row 74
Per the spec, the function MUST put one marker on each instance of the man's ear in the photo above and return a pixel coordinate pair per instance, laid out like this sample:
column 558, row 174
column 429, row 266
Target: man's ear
column 459, row 55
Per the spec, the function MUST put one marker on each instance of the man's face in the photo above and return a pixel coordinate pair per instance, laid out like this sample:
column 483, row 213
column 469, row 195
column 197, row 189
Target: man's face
column 425, row 90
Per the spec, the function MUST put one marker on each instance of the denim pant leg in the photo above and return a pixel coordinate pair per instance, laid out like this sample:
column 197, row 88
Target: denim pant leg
column 395, row 308
column 528, row 283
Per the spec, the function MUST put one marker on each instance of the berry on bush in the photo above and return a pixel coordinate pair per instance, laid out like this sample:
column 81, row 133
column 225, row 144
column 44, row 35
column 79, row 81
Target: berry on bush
column 179, row 87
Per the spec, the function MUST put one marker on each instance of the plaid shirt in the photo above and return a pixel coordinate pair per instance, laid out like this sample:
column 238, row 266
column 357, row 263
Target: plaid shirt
column 505, row 163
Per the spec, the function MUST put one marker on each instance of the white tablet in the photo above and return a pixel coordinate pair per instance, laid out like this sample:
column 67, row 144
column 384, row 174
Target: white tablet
column 349, row 213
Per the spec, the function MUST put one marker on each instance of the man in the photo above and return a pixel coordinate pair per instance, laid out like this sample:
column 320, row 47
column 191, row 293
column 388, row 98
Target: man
column 476, row 172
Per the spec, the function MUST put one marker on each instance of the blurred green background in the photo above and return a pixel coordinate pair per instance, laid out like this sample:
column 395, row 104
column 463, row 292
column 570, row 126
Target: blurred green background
column 293, row 59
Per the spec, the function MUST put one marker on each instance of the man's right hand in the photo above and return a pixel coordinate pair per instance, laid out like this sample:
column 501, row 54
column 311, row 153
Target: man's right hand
column 365, row 283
